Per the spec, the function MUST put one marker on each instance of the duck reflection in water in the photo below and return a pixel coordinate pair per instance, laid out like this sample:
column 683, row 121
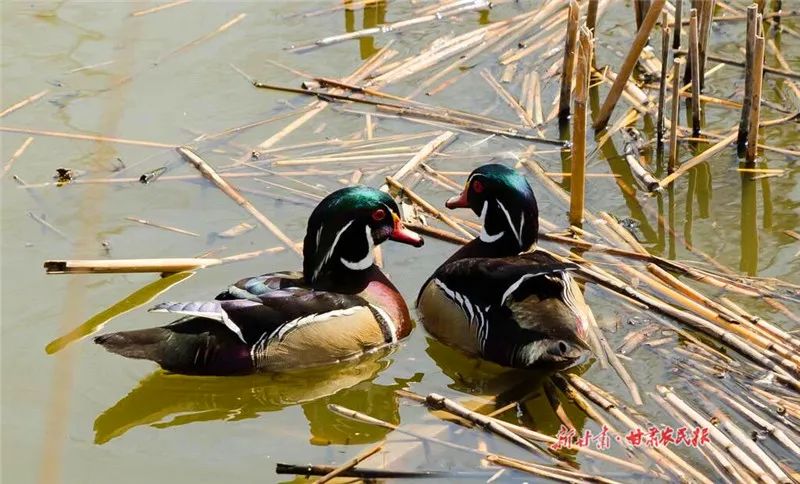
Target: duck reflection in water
column 494, row 386
column 163, row 400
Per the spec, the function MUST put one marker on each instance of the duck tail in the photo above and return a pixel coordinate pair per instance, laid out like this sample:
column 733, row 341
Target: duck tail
column 143, row 344
column 194, row 347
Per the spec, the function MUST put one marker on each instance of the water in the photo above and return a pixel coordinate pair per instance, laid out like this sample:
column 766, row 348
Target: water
column 83, row 415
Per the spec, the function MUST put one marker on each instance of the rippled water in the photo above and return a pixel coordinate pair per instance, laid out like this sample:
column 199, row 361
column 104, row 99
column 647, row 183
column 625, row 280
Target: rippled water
column 79, row 414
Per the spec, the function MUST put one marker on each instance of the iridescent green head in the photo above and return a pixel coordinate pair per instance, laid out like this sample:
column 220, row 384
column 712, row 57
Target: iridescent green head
column 344, row 228
column 504, row 200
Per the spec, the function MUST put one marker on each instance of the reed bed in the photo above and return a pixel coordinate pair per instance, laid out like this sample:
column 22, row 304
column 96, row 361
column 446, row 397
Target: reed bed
column 736, row 370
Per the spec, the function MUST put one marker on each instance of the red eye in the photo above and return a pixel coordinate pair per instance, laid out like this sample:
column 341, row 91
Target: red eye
column 477, row 186
column 379, row 214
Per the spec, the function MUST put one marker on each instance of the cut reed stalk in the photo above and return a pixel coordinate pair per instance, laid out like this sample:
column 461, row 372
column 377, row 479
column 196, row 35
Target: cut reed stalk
column 701, row 158
column 715, row 434
column 777, row 433
column 578, row 164
column 158, row 8
column 661, row 455
column 662, row 86
column 351, row 463
column 86, row 137
column 750, row 38
column 625, row 71
column 165, row 227
column 129, row 266
column 676, row 34
column 755, row 111
column 422, row 155
column 694, row 65
column 568, row 64
column 7, row 166
column 24, row 102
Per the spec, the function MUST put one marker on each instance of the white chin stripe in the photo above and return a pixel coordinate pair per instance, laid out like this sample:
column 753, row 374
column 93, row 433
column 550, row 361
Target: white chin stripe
column 485, row 237
column 368, row 259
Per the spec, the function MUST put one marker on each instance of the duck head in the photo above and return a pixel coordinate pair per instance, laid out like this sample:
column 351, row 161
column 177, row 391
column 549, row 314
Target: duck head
column 345, row 227
column 504, row 201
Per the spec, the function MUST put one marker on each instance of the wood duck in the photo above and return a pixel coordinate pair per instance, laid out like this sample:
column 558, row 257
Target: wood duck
column 340, row 307
column 499, row 297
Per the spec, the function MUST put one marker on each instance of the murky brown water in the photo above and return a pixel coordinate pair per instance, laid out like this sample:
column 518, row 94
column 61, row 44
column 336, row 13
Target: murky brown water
column 83, row 415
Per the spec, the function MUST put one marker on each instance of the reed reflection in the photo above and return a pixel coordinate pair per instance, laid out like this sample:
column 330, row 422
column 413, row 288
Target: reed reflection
column 163, row 400
column 748, row 262
column 373, row 13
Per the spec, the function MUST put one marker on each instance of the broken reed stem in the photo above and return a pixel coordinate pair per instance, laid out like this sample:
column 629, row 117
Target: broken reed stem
column 158, row 8
column 706, row 18
column 423, row 154
column 701, row 158
column 696, row 322
column 694, row 64
column 165, row 227
column 16, row 155
column 436, row 233
column 127, row 266
column 715, row 433
column 675, row 115
column 629, row 63
column 362, row 417
column 750, row 38
column 661, row 455
column 578, row 168
column 676, row 34
column 234, row 194
column 755, row 103
column 351, row 463
column 438, row 402
column 568, row 64
column 662, row 88
column 23, row 103
column 87, row 137
column 591, row 16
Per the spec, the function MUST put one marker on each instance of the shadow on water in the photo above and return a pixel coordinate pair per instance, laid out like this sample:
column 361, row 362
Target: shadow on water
column 163, row 400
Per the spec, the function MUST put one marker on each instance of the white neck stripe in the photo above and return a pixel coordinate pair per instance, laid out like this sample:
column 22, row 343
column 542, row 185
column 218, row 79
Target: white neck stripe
column 518, row 235
column 368, row 259
column 484, row 236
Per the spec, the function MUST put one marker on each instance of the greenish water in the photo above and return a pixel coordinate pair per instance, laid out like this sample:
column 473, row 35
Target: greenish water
column 83, row 415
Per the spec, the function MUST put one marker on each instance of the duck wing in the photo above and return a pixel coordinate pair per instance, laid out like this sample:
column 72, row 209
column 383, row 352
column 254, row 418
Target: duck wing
column 497, row 281
column 519, row 310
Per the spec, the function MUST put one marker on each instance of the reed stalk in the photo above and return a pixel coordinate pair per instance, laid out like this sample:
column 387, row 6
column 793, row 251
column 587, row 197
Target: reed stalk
column 578, row 163
column 661, row 455
column 755, row 111
column 750, row 38
column 24, row 102
column 351, row 463
column 229, row 190
column 570, row 56
column 625, row 71
column 716, row 434
column 662, row 86
column 694, row 64
column 23, row 147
